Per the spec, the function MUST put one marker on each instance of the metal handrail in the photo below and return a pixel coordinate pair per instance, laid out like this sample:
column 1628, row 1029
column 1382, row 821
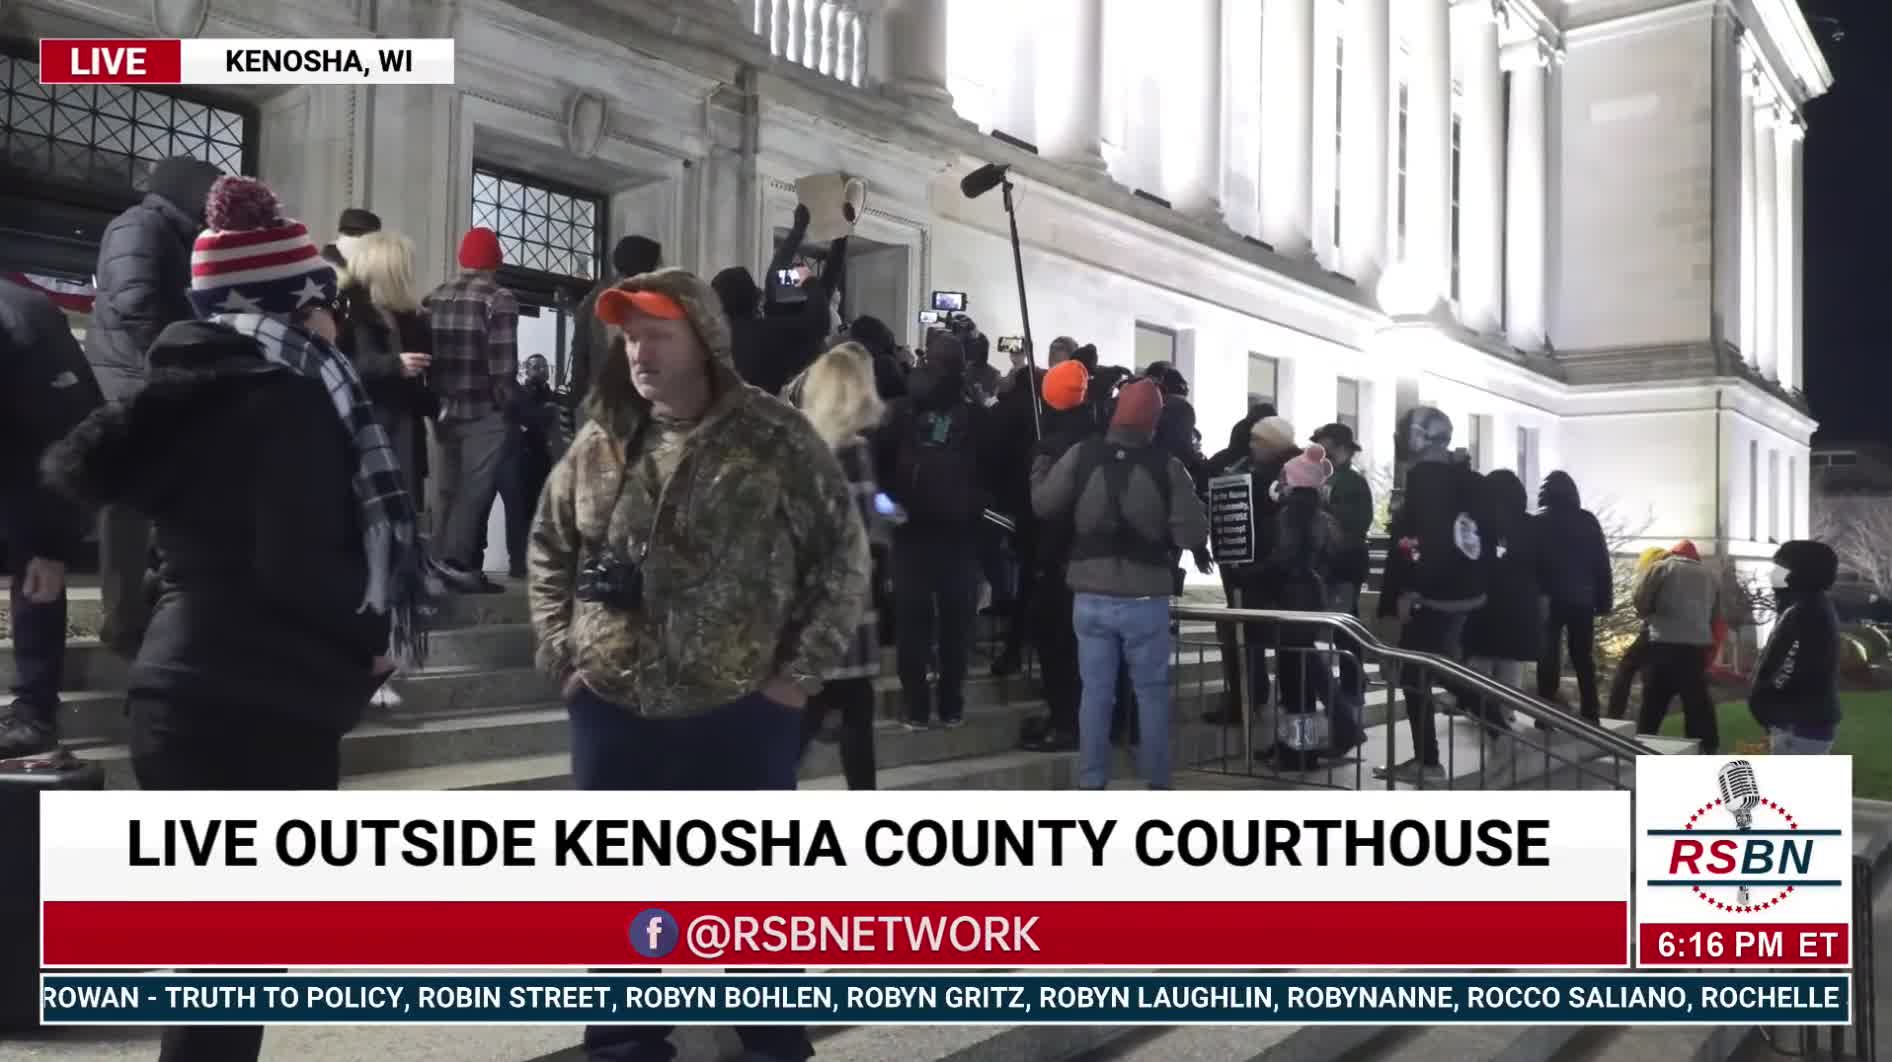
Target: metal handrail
column 1538, row 711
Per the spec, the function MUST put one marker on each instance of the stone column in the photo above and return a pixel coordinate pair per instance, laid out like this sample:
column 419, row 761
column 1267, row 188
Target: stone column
column 1766, row 234
column 1428, row 247
column 1365, row 99
column 916, row 40
column 1287, row 123
column 1070, row 88
column 1201, row 199
column 1786, row 251
column 1749, row 337
column 1526, row 224
column 1241, row 116
column 1481, row 169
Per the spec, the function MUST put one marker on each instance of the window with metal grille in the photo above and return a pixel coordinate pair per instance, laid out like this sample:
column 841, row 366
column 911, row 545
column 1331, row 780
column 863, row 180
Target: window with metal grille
column 107, row 137
column 542, row 228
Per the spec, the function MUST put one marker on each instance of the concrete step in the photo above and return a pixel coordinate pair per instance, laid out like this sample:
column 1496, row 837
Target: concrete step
column 450, row 611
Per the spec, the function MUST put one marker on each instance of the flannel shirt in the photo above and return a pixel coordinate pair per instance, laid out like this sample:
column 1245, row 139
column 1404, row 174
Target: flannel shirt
column 476, row 345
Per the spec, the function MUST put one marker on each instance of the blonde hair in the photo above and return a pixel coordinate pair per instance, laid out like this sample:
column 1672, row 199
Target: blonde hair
column 383, row 263
column 838, row 395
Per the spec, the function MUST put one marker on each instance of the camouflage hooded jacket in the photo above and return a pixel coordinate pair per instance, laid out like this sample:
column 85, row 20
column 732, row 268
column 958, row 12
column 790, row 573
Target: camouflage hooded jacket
column 757, row 567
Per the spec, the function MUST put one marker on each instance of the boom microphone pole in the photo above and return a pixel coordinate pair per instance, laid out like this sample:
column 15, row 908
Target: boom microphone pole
column 972, row 186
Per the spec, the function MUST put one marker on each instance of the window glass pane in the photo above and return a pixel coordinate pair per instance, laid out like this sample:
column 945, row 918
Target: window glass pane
column 1153, row 345
column 1264, row 380
column 1347, row 403
column 107, row 136
column 539, row 228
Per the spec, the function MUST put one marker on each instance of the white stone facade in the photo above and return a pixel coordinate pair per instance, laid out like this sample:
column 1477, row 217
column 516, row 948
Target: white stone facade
column 1571, row 224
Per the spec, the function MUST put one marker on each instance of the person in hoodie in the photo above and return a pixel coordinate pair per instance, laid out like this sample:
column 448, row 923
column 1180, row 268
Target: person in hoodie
column 46, row 388
column 1134, row 510
column 1438, row 574
column 591, row 337
column 1630, row 667
column 1681, row 600
column 697, row 566
column 779, row 327
column 1508, row 630
column 1579, row 583
column 142, row 280
column 1067, row 423
column 933, row 456
column 286, row 539
column 1795, row 693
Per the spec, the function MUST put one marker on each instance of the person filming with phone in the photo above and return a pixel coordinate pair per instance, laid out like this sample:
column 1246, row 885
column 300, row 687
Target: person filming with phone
column 780, row 328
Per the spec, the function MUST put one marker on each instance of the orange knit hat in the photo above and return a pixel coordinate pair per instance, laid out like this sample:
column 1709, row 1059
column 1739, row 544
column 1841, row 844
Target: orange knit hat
column 1065, row 385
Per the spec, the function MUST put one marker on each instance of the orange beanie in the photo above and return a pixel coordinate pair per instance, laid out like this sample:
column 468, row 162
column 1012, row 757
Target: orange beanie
column 1066, row 384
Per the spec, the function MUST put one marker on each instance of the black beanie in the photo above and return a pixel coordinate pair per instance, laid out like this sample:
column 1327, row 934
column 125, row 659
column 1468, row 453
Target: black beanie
column 358, row 222
column 636, row 254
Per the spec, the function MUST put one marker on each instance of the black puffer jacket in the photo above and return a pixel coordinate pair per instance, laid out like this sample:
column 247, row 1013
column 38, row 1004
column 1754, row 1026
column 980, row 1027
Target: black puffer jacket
column 46, row 388
column 1511, row 625
column 374, row 341
column 144, row 273
column 247, row 475
column 1575, row 555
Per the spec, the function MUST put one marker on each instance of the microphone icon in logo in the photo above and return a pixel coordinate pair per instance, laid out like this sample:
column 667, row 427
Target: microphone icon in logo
column 1739, row 794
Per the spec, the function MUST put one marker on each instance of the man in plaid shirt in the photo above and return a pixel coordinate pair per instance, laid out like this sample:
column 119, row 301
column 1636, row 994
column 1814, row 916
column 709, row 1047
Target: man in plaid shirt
column 475, row 370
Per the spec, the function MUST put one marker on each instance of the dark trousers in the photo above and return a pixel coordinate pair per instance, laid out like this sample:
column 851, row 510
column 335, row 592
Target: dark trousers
column 748, row 744
column 1628, row 669
column 1056, row 640
column 522, row 476
column 1025, row 611
column 1680, row 670
column 936, row 591
column 853, row 698
column 1577, row 626
column 181, row 745
column 39, row 651
column 124, row 565
column 1427, row 631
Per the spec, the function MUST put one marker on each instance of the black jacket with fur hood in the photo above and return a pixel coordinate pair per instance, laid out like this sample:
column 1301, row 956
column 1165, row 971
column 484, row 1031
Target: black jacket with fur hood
column 246, row 472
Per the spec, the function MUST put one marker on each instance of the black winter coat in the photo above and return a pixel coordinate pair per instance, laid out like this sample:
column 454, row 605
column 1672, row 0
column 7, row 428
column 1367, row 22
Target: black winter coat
column 1427, row 557
column 1511, row 624
column 1577, row 574
column 144, row 274
column 246, row 472
column 46, row 388
column 374, row 342
column 1796, row 685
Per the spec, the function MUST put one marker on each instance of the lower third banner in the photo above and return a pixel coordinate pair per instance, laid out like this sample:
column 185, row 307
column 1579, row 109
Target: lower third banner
column 948, row 999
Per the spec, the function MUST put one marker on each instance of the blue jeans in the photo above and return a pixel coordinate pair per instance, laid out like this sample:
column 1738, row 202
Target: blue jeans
column 749, row 743
column 1132, row 630
column 1787, row 743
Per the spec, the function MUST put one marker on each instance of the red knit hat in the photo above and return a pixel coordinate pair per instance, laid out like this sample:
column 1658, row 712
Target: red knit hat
column 1138, row 406
column 251, row 259
column 1065, row 385
column 479, row 249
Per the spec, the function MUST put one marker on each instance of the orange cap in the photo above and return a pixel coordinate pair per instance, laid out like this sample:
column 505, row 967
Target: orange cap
column 617, row 304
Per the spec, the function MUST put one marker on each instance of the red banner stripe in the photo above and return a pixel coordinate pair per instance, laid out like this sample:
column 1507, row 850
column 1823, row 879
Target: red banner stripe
column 1154, row 934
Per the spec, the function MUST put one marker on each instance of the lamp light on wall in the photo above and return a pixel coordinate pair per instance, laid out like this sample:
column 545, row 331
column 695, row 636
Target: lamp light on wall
column 1404, row 291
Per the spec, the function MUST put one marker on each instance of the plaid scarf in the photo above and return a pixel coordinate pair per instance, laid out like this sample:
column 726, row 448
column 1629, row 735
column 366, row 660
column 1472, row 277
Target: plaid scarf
column 396, row 564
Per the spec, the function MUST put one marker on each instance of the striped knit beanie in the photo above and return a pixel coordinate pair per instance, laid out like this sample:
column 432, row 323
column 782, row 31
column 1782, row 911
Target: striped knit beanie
column 251, row 259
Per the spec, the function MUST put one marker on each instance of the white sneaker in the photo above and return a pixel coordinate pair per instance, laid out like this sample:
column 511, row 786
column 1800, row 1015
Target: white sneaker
column 387, row 697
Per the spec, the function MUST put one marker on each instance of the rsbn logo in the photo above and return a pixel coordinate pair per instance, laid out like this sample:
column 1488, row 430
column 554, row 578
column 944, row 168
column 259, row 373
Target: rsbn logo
column 1752, row 867
column 654, row 933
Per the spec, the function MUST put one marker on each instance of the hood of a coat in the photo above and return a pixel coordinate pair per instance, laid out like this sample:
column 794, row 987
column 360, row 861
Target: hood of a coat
column 1812, row 567
column 184, row 184
column 126, row 452
column 705, row 313
column 1559, row 492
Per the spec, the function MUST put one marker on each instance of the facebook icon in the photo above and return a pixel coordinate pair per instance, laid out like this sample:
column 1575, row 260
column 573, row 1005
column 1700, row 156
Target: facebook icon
column 654, row 933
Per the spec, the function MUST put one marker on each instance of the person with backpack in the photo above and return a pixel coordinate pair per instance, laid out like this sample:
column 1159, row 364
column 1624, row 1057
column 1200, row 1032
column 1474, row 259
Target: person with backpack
column 1134, row 510
column 930, row 459
column 1438, row 574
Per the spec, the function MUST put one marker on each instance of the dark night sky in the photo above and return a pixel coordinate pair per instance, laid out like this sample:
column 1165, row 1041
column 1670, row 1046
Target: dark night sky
column 1848, row 222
